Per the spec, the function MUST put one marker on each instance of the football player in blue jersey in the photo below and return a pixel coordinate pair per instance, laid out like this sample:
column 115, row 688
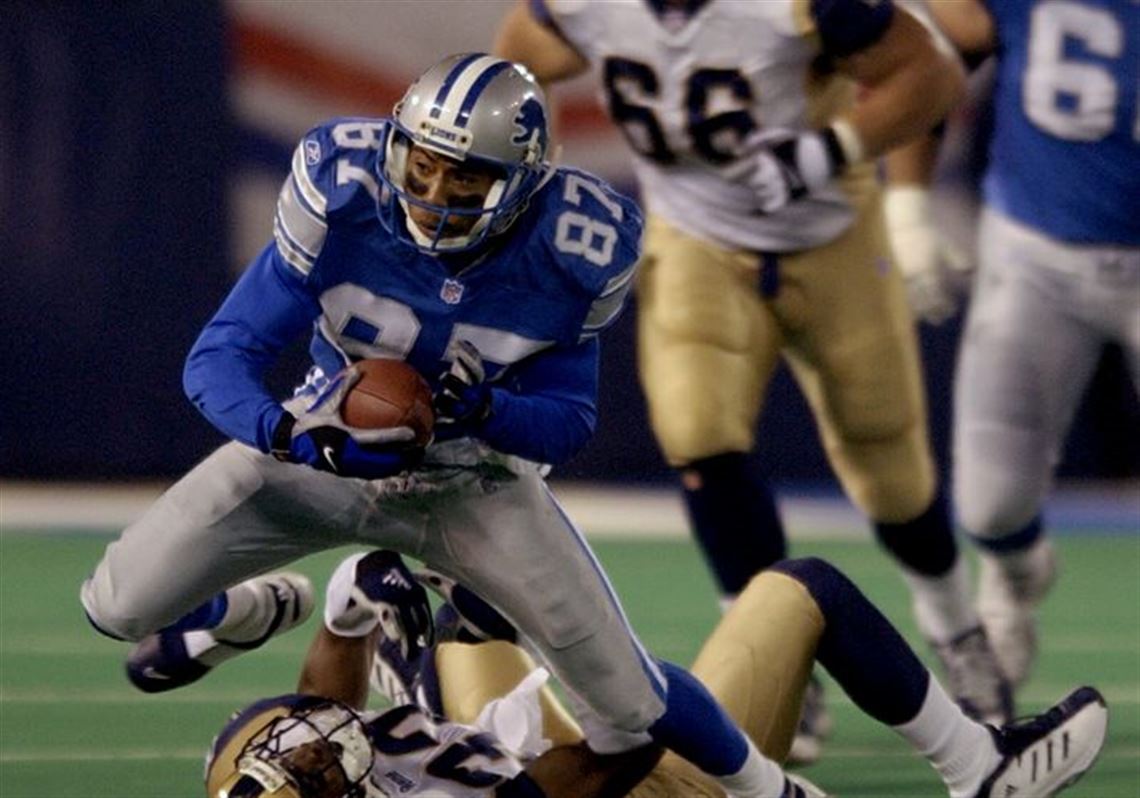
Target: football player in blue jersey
column 444, row 238
column 765, row 242
column 1058, row 277
column 471, row 717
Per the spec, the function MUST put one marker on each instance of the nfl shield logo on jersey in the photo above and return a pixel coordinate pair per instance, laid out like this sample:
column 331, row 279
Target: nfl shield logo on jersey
column 451, row 292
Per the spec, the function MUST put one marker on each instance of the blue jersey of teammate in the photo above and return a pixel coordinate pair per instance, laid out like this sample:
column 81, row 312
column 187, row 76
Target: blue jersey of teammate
column 1065, row 154
column 532, row 301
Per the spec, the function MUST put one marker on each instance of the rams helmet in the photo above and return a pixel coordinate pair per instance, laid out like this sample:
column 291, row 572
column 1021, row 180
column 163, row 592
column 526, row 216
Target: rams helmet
column 292, row 746
column 473, row 108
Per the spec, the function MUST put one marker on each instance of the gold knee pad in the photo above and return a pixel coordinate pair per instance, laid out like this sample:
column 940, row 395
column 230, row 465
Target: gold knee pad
column 891, row 480
column 758, row 660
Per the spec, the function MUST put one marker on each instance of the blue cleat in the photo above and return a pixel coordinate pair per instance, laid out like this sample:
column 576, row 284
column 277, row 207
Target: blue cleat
column 161, row 662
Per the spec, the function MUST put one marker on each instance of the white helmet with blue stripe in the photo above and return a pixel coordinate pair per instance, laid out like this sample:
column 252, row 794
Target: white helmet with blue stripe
column 473, row 108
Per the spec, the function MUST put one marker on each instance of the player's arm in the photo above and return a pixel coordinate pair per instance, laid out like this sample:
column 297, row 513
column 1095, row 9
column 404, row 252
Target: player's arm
column 908, row 85
column 967, row 24
column 224, row 372
column 574, row 771
column 368, row 595
column 527, row 35
column 337, row 667
column 545, row 410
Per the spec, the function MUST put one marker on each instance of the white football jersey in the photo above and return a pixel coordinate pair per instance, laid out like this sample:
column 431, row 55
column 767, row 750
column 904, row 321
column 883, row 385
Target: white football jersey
column 416, row 755
column 687, row 90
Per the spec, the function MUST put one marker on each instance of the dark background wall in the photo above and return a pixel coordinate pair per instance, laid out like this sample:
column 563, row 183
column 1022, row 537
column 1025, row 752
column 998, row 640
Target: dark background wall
column 116, row 148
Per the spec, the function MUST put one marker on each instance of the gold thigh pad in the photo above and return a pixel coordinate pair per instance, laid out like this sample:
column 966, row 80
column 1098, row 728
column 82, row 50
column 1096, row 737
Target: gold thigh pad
column 707, row 344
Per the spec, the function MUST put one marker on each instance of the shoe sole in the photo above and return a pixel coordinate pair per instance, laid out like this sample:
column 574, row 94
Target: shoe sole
column 1094, row 753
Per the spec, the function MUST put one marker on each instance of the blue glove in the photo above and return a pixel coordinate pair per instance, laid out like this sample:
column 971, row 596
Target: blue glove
column 464, row 398
column 377, row 589
column 321, row 439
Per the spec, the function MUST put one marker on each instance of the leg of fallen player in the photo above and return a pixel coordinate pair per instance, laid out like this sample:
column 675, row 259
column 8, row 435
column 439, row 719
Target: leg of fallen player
column 756, row 663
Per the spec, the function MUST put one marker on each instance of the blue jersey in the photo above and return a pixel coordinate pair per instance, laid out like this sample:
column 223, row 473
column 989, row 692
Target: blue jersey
column 532, row 302
column 1065, row 154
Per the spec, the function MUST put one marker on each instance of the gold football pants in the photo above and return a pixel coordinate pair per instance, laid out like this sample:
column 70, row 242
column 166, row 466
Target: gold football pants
column 709, row 342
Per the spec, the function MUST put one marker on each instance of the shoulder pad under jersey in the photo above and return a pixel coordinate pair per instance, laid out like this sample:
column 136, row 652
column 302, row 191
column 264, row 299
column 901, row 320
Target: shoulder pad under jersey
column 592, row 234
column 333, row 175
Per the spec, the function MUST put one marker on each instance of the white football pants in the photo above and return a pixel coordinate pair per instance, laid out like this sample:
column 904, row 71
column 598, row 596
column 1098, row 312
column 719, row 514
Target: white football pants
column 1041, row 313
column 240, row 513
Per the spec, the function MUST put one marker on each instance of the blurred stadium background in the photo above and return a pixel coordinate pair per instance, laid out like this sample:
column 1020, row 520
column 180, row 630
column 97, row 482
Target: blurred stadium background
column 141, row 149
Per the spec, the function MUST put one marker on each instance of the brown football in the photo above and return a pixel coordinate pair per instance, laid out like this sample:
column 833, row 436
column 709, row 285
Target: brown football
column 390, row 393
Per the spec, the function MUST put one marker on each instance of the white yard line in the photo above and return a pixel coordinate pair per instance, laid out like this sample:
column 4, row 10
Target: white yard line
column 601, row 510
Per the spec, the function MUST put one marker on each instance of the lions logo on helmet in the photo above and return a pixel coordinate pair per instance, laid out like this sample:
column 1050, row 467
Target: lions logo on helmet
column 472, row 108
column 530, row 125
column 292, row 746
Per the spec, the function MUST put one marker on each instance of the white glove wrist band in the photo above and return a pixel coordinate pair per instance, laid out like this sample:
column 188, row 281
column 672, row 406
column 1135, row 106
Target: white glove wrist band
column 345, row 617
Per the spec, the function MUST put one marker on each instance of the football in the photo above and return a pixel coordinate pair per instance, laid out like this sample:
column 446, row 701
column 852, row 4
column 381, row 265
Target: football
column 390, row 393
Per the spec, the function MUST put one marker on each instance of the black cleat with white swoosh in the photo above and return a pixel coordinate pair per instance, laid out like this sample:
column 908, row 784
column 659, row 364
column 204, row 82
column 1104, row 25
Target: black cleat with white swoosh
column 160, row 662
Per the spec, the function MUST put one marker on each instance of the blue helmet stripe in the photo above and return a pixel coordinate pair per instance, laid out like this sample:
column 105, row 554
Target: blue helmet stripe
column 452, row 76
column 477, row 89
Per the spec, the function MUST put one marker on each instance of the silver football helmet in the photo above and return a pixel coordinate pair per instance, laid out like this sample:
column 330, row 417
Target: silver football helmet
column 474, row 108
column 307, row 747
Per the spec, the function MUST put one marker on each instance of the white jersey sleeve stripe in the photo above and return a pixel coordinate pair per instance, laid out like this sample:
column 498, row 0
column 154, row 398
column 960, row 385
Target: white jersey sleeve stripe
column 607, row 306
column 306, row 231
column 305, row 186
column 620, row 281
column 293, row 256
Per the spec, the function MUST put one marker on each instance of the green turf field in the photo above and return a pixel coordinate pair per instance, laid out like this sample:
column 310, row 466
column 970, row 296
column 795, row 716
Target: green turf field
column 70, row 725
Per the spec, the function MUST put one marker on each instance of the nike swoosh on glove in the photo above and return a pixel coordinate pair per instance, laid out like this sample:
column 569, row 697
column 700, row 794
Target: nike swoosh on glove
column 322, row 440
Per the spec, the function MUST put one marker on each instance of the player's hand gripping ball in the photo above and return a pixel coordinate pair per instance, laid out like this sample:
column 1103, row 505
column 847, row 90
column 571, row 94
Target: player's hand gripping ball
column 371, row 421
column 390, row 393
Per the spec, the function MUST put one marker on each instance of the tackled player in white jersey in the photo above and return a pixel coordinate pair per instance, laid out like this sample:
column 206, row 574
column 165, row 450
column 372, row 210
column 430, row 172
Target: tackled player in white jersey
column 473, row 719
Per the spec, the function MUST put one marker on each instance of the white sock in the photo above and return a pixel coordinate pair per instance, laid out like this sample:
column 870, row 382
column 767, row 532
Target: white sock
column 942, row 605
column 758, row 777
column 961, row 750
column 251, row 607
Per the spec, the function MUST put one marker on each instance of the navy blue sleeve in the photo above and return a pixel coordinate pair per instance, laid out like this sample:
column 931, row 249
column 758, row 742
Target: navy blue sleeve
column 848, row 26
column 224, row 374
column 539, row 11
column 547, row 410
